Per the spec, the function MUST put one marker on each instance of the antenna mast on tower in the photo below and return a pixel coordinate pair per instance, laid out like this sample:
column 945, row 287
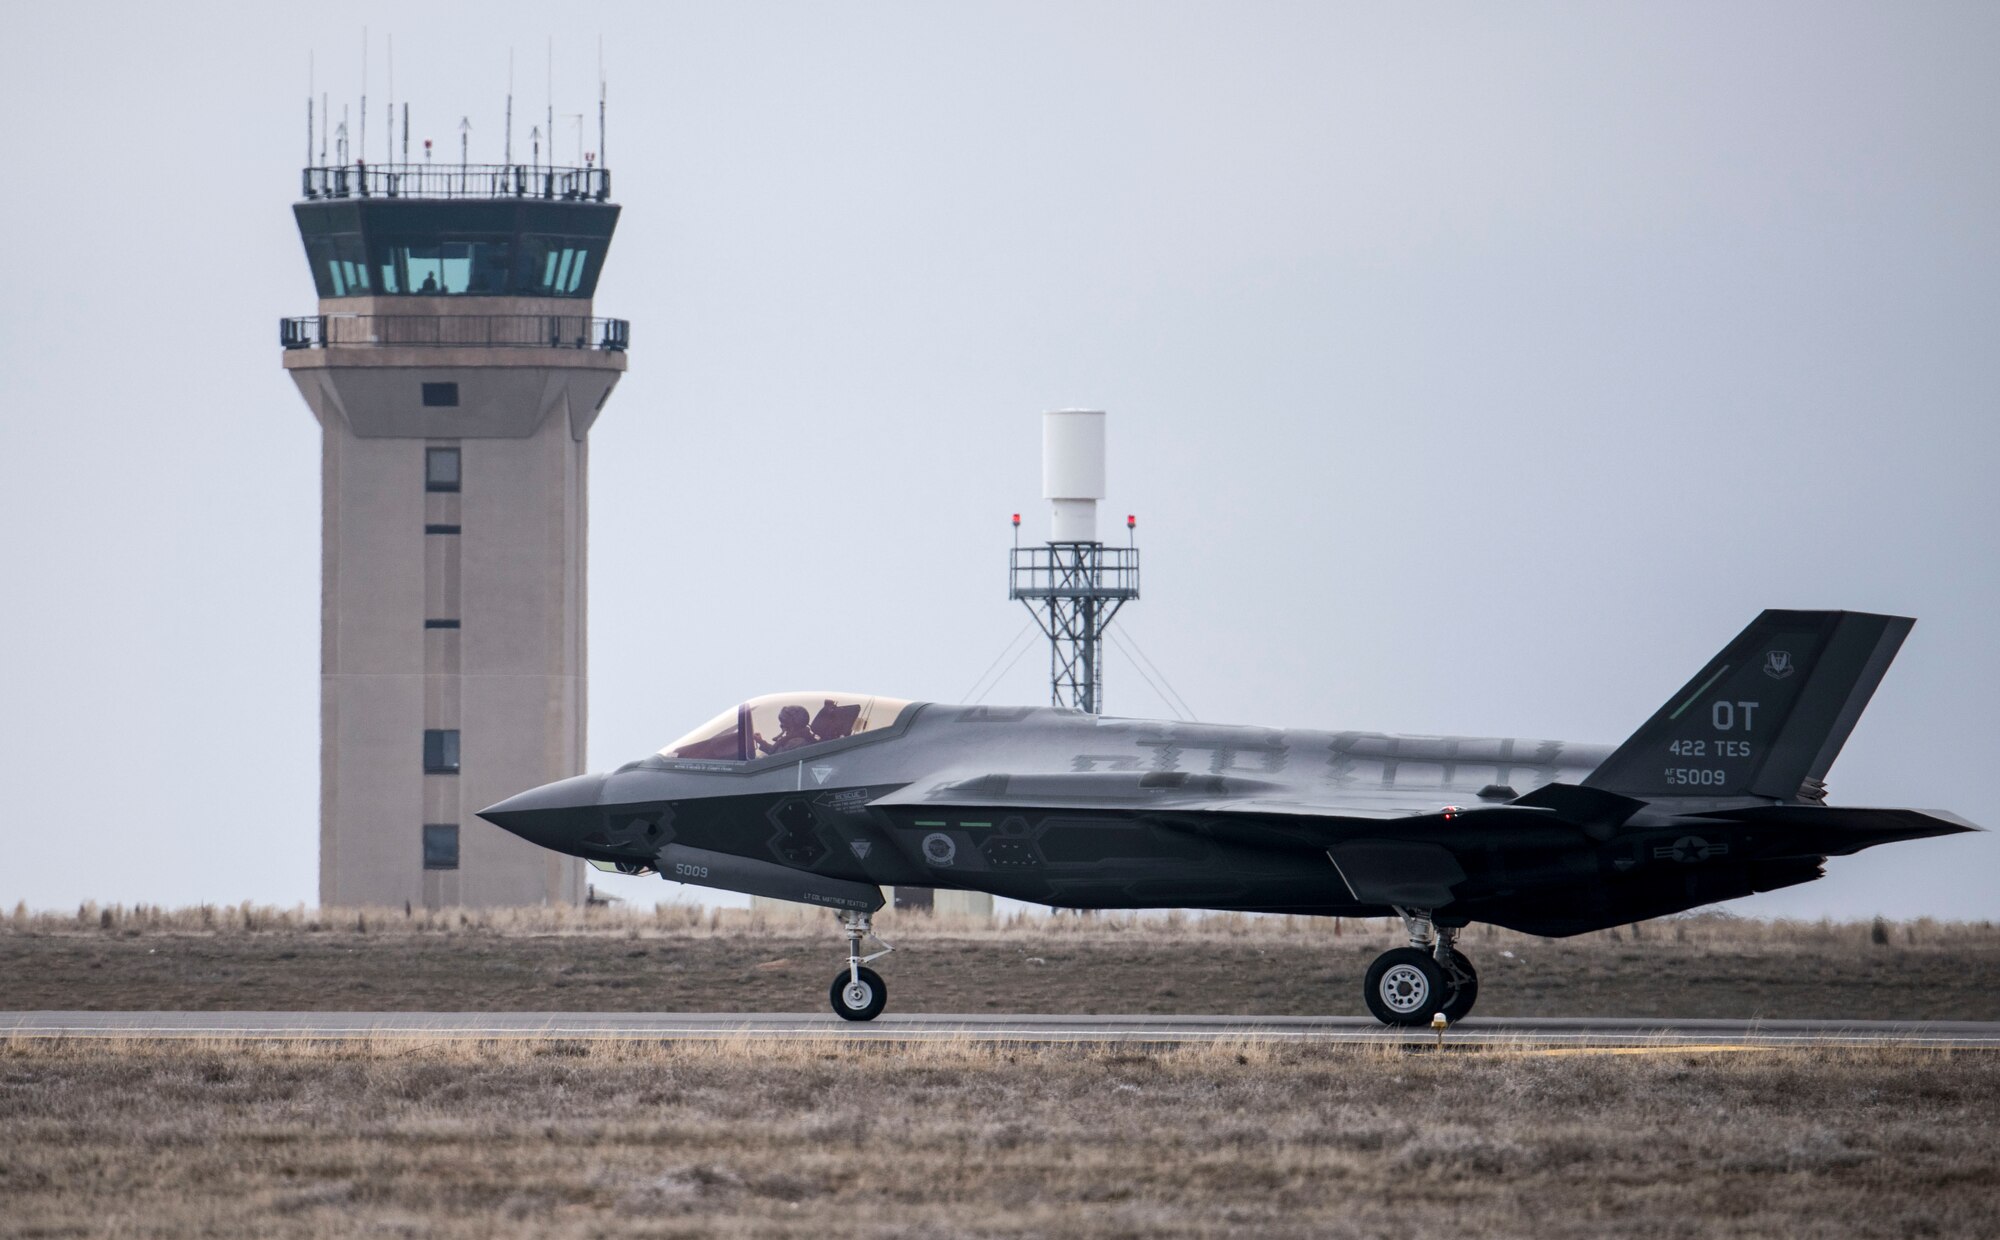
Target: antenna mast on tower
column 1074, row 584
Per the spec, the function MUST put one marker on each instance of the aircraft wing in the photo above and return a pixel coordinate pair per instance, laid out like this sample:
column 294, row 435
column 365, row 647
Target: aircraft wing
column 1137, row 790
column 1562, row 859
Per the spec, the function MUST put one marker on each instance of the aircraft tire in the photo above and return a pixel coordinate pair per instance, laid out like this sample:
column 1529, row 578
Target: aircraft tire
column 1404, row 987
column 864, row 1001
column 1459, row 1005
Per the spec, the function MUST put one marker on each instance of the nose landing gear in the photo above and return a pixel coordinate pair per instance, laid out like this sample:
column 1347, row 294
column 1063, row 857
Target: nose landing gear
column 1407, row 985
column 858, row 992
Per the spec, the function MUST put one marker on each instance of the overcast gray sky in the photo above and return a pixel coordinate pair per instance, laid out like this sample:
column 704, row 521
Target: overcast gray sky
column 1471, row 368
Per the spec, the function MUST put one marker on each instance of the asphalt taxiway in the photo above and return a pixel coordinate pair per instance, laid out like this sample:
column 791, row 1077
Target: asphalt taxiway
column 1524, row 1032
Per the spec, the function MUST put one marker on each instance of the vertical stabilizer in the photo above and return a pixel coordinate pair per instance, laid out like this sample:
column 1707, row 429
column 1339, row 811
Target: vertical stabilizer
column 1767, row 716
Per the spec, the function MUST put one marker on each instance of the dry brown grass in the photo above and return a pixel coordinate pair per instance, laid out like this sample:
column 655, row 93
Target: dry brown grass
column 458, row 1138
column 681, row 920
column 681, row 959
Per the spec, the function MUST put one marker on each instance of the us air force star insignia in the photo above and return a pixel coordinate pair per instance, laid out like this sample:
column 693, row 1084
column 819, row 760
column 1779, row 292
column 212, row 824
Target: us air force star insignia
column 821, row 774
column 1778, row 664
column 860, row 849
column 1689, row 849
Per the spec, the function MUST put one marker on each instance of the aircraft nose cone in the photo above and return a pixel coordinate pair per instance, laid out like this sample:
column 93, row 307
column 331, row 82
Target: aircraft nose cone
column 554, row 815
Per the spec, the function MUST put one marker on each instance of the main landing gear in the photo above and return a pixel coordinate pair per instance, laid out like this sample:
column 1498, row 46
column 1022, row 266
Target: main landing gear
column 1409, row 985
column 858, row 992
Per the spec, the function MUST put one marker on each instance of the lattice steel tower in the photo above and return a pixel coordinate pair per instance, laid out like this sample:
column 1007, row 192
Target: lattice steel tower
column 1074, row 584
column 455, row 370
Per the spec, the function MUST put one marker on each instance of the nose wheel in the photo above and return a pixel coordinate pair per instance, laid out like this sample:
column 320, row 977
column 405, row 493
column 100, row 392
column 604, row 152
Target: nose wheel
column 858, row 992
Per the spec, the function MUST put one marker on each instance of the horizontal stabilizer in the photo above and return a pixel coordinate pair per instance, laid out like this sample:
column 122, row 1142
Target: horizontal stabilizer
column 1837, row 830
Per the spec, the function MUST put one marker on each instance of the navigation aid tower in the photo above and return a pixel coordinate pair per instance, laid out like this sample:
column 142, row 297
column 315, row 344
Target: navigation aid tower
column 1074, row 584
column 455, row 367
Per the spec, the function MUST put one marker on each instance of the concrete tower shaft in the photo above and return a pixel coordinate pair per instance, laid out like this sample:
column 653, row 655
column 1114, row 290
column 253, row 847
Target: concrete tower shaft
column 455, row 369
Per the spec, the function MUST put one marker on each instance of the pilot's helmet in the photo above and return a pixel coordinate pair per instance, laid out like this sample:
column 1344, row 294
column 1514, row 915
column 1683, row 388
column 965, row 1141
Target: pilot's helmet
column 794, row 718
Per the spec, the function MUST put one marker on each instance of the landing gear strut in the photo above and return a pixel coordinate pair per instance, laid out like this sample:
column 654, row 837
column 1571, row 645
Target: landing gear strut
column 858, row 992
column 1408, row 985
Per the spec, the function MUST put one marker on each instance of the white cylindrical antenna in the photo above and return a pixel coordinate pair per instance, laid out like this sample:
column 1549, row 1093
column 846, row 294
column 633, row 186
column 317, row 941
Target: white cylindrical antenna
column 325, row 114
column 310, row 86
column 535, row 146
column 340, row 138
column 508, row 147
column 1073, row 472
column 406, row 132
column 464, row 138
column 552, row 100
column 601, row 161
column 361, row 152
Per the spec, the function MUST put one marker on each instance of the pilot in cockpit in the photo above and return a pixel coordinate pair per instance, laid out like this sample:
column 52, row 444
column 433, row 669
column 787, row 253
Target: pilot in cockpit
column 794, row 731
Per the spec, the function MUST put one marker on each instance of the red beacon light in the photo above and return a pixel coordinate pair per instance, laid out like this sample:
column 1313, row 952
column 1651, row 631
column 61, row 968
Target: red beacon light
column 1131, row 522
column 1017, row 520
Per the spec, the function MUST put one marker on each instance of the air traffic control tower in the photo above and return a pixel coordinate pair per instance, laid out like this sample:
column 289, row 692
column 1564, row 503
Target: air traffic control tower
column 455, row 370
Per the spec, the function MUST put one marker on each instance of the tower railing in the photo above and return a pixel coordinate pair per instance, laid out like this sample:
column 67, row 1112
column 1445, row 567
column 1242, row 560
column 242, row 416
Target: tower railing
column 483, row 331
column 1074, row 570
column 427, row 180
column 1073, row 590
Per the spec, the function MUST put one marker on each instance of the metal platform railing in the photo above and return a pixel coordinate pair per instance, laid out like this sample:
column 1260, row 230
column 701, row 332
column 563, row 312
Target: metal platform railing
column 482, row 331
column 360, row 180
column 1074, row 571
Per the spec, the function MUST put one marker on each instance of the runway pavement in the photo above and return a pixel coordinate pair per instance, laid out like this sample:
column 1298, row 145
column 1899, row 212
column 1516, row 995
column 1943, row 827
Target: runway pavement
column 1524, row 1032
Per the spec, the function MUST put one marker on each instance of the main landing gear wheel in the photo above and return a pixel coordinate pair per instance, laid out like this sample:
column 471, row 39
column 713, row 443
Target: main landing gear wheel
column 1463, row 981
column 859, row 994
column 1405, row 987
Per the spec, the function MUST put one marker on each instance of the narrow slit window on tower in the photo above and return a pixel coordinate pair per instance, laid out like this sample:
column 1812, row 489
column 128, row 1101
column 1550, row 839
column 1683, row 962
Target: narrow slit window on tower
column 440, row 846
column 441, row 395
column 441, row 751
column 441, row 471
column 440, row 624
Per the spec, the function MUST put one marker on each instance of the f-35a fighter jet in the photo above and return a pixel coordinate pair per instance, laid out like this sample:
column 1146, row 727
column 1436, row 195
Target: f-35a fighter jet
column 824, row 797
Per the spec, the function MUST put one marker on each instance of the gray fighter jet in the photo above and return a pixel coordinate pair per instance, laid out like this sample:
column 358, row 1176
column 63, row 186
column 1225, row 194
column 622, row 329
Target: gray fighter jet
column 824, row 797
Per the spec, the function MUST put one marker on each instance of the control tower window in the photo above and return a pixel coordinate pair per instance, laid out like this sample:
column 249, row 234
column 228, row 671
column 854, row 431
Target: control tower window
column 462, row 248
column 783, row 724
column 340, row 266
column 441, row 468
column 559, row 266
column 445, row 268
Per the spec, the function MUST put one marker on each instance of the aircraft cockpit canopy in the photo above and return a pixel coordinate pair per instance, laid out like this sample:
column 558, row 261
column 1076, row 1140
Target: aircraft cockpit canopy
column 785, row 723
